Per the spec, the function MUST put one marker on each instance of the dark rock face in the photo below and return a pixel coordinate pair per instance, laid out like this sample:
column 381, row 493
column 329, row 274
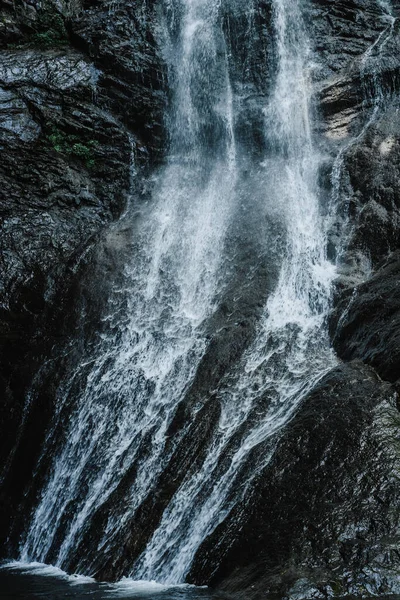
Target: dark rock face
column 56, row 173
column 358, row 66
column 69, row 134
column 342, row 31
column 366, row 325
column 361, row 108
column 131, row 82
column 371, row 196
column 325, row 506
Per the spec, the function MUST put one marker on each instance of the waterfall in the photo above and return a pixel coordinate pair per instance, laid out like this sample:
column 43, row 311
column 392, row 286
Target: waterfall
column 156, row 335
column 291, row 349
column 149, row 358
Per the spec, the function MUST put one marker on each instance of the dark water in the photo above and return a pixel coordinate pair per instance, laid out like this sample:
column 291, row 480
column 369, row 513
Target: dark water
column 47, row 583
column 35, row 581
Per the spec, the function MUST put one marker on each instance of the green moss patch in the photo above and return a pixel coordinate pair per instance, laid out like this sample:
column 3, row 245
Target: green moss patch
column 48, row 31
column 73, row 146
column 51, row 30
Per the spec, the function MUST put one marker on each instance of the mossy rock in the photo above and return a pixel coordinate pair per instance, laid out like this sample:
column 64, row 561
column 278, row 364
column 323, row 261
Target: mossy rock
column 47, row 31
column 72, row 145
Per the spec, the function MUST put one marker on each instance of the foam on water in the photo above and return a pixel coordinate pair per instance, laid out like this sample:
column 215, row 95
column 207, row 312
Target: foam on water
column 131, row 587
column 126, row 588
column 43, row 570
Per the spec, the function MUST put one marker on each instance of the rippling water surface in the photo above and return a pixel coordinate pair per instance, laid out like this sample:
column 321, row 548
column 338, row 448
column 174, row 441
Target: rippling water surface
column 33, row 581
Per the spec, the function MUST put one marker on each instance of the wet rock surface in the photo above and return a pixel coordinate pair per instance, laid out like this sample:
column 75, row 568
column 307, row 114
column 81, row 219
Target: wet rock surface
column 366, row 324
column 322, row 516
column 364, row 320
column 287, row 541
column 371, row 196
column 343, row 31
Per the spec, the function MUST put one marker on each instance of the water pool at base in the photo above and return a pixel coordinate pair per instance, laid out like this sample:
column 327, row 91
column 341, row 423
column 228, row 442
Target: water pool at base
column 35, row 581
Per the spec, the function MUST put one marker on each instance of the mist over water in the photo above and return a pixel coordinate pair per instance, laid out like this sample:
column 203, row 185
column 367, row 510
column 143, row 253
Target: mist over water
column 173, row 284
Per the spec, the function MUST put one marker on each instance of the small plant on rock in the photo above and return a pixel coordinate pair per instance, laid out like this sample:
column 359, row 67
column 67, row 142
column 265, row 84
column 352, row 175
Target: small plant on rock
column 72, row 145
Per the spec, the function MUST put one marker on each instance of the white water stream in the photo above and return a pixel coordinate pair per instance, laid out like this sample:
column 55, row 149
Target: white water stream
column 136, row 383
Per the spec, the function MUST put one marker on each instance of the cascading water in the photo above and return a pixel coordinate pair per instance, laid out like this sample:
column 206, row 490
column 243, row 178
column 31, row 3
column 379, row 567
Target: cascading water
column 291, row 349
column 157, row 336
column 137, row 381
